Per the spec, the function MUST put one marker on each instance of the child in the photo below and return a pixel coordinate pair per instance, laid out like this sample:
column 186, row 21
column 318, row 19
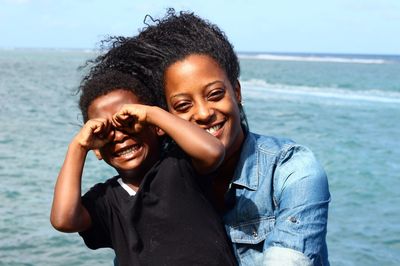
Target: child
column 153, row 212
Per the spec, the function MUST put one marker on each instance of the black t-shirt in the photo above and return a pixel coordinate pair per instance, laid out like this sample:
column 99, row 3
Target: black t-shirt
column 168, row 222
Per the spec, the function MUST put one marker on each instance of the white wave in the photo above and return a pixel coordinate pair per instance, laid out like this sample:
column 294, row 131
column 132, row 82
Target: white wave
column 305, row 58
column 325, row 92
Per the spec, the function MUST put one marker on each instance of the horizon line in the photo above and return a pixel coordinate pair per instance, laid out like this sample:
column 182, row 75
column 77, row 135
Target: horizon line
column 5, row 48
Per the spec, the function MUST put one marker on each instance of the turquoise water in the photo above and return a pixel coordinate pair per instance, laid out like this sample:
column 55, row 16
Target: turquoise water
column 346, row 108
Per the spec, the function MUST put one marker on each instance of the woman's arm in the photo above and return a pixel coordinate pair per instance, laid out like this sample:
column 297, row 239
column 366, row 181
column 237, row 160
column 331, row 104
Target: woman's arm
column 206, row 151
column 302, row 196
column 67, row 212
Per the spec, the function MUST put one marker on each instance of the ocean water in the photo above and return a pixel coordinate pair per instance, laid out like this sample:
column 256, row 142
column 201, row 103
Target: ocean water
column 346, row 108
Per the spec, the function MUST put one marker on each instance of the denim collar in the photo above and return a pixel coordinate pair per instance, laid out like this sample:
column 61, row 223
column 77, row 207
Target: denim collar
column 246, row 173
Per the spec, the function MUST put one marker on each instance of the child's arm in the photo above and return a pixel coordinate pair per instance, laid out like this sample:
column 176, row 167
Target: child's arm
column 206, row 151
column 67, row 212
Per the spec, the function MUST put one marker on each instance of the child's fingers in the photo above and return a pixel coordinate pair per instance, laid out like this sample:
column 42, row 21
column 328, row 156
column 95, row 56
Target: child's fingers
column 127, row 111
column 129, row 118
column 123, row 120
column 120, row 117
column 97, row 133
column 92, row 126
column 98, row 125
column 89, row 133
column 97, row 128
column 100, row 128
column 116, row 121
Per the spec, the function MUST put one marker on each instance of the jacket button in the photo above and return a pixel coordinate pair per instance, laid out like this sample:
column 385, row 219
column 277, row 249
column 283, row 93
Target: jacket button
column 255, row 234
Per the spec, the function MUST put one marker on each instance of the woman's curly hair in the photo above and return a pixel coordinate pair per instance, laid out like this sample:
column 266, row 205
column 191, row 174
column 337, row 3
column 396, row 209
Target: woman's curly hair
column 177, row 36
column 158, row 46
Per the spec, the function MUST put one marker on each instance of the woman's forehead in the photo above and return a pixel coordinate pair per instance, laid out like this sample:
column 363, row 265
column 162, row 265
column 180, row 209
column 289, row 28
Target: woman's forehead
column 192, row 72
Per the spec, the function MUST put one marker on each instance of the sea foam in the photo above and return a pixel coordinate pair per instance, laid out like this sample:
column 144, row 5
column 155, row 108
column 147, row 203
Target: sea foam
column 257, row 85
column 313, row 58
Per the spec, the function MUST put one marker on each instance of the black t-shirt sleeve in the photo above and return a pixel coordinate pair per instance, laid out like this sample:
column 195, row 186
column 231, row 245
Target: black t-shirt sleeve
column 97, row 236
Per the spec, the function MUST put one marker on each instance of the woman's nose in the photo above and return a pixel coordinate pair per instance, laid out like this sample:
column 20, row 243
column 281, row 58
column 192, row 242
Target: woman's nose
column 203, row 114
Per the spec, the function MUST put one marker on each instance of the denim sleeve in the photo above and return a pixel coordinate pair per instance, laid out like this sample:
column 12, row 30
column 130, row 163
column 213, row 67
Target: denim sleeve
column 302, row 196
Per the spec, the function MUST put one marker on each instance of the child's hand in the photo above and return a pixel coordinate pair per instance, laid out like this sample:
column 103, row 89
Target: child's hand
column 131, row 118
column 95, row 134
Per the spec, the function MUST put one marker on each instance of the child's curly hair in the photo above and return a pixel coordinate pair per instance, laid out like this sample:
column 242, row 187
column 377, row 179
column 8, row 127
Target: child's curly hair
column 99, row 84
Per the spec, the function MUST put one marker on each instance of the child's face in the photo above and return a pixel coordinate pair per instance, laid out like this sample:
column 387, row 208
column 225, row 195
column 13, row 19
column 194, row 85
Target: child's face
column 126, row 153
column 198, row 90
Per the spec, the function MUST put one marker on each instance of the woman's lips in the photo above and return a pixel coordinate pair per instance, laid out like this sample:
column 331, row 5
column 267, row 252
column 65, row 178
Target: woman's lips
column 215, row 130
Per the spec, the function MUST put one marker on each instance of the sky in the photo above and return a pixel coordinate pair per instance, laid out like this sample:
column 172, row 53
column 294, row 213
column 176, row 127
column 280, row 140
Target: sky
column 311, row 26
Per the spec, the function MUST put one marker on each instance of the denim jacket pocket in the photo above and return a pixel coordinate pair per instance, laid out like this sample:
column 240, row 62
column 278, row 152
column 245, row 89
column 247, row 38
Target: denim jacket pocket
column 253, row 231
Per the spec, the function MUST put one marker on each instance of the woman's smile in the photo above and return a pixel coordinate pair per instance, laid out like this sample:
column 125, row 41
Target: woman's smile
column 216, row 129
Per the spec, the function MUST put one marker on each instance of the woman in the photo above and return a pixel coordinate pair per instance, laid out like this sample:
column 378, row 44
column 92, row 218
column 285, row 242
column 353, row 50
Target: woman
column 272, row 193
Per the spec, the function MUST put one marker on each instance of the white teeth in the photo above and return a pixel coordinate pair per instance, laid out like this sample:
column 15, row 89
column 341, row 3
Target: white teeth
column 125, row 152
column 213, row 129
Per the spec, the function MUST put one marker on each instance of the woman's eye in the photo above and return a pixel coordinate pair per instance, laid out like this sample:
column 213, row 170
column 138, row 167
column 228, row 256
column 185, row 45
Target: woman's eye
column 182, row 106
column 216, row 95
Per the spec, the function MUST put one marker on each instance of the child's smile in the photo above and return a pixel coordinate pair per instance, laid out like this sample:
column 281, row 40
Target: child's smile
column 127, row 152
column 129, row 149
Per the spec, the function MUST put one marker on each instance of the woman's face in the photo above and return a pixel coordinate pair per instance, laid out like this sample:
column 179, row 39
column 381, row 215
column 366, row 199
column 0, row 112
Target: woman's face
column 197, row 89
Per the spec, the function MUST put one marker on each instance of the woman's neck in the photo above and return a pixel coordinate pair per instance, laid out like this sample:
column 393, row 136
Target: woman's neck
column 222, row 179
column 227, row 168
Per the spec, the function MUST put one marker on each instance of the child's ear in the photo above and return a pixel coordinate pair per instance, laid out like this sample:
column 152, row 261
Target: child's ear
column 159, row 131
column 98, row 154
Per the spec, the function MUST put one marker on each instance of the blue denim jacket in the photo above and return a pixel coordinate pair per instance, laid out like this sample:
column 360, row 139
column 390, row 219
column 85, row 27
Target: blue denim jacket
column 280, row 199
